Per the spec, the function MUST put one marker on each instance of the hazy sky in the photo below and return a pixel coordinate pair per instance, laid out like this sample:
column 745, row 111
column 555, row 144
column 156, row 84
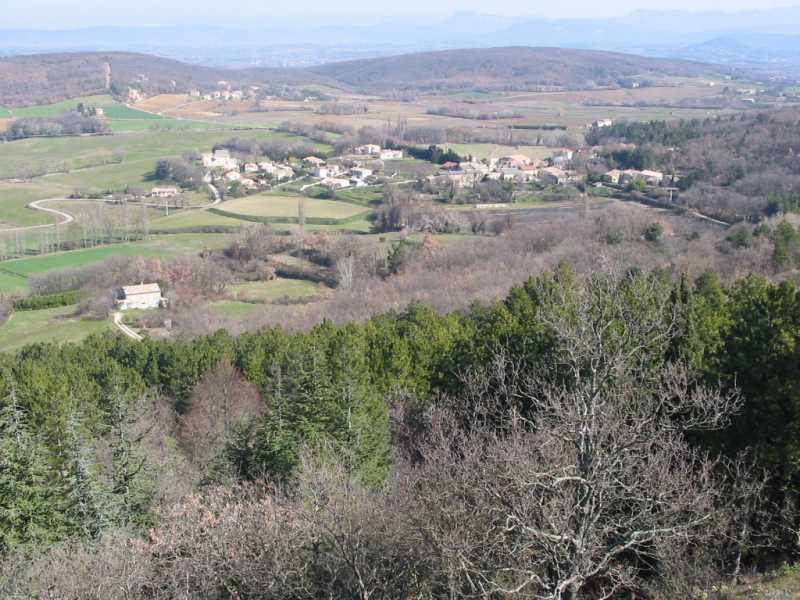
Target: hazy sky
column 63, row 14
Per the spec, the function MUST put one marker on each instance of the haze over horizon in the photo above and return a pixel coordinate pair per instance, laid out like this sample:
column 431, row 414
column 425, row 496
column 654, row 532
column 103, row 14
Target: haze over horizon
column 56, row 15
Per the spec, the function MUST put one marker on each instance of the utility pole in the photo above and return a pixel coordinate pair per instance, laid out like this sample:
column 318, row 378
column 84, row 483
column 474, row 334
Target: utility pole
column 301, row 215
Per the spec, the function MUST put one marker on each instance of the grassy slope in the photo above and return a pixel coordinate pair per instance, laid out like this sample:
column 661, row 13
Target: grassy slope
column 60, row 324
column 195, row 218
column 14, row 199
column 53, row 154
column 53, row 110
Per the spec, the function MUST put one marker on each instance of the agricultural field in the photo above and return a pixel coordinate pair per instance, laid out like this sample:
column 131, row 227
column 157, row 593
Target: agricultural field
column 270, row 206
column 122, row 111
column 246, row 298
column 160, row 124
column 570, row 110
column 54, row 110
column 365, row 196
column 56, row 324
column 14, row 273
column 191, row 219
column 277, row 290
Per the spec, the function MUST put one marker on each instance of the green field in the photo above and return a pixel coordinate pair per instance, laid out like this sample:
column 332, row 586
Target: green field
column 249, row 297
column 4, row 113
column 121, row 111
column 29, row 327
column 54, row 110
column 233, row 309
column 14, row 199
column 51, row 155
column 108, row 177
column 364, row 196
column 195, row 218
column 282, row 207
column 13, row 272
column 272, row 291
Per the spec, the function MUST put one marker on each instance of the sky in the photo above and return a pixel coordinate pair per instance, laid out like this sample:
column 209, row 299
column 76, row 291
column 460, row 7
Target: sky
column 63, row 14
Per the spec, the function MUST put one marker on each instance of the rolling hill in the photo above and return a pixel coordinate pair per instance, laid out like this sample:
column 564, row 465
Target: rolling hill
column 512, row 68
column 47, row 78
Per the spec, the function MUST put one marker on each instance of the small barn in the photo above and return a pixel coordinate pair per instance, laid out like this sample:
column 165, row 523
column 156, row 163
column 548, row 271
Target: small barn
column 145, row 295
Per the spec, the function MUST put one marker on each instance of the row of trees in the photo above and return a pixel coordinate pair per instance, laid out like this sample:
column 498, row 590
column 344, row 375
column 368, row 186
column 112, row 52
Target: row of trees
column 69, row 123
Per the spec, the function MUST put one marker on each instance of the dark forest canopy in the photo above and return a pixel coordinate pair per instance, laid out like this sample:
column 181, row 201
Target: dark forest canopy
column 107, row 438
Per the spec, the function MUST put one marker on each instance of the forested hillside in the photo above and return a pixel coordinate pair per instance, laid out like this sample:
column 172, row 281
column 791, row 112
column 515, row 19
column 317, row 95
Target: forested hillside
column 740, row 167
column 513, row 68
column 47, row 78
column 624, row 432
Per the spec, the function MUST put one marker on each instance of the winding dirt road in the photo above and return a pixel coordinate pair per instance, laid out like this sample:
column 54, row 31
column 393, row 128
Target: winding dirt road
column 65, row 218
column 127, row 331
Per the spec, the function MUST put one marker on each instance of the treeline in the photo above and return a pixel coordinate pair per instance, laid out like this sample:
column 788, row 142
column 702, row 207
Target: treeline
column 69, row 123
column 472, row 113
column 424, row 437
column 278, row 150
column 651, row 132
column 49, row 301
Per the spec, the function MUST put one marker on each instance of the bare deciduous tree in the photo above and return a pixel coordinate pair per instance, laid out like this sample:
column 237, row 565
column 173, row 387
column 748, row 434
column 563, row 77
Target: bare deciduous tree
column 586, row 475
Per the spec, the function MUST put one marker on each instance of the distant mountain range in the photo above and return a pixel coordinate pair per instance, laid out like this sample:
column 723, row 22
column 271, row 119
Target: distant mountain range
column 44, row 78
column 765, row 39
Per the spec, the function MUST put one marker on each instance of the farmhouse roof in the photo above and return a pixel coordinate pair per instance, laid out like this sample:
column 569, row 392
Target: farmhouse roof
column 144, row 288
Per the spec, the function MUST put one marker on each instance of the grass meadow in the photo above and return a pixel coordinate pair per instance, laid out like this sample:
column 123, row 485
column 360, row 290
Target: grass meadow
column 275, row 206
column 61, row 324
column 14, row 273
column 14, row 198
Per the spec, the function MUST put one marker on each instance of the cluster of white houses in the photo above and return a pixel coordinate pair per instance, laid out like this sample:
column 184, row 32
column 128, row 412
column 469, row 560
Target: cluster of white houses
column 516, row 168
column 375, row 151
column 335, row 176
column 252, row 175
column 521, row 169
column 248, row 175
column 623, row 177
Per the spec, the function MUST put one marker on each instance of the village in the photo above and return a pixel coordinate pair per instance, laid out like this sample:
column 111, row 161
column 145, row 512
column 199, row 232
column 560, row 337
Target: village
column 365, row 166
